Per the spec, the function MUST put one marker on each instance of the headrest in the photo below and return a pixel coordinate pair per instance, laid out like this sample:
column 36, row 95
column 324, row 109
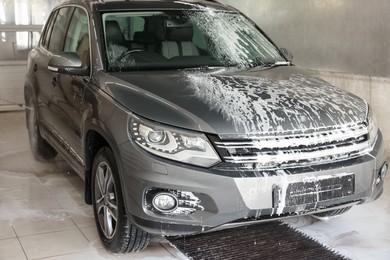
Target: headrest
column 145, row 38
column 180, row 34
column 155, row 24
column 113, row 33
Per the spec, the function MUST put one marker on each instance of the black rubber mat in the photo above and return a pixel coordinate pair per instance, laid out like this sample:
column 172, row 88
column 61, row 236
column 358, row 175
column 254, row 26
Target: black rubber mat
column 271, row 240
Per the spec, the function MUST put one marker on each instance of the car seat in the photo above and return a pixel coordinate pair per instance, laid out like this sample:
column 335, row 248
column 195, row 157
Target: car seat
column 178, row 43
column 145, row 41
column 114, row 35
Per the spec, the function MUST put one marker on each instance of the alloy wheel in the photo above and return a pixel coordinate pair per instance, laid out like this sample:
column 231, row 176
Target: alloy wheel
column 106, row 200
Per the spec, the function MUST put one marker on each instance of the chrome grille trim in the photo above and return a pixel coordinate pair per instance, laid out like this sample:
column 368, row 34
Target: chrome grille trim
column 301, row 149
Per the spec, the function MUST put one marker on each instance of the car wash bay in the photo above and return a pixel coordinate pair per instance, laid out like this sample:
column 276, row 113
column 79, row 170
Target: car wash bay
column 42, row 211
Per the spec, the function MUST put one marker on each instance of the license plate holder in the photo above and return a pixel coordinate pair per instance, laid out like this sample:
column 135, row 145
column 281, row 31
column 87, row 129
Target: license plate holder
column 314, row 191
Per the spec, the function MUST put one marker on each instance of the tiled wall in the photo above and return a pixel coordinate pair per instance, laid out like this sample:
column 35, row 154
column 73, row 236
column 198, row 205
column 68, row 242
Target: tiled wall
column 373, row 89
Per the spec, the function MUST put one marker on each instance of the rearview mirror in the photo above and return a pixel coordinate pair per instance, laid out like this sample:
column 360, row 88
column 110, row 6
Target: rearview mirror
column 67, row 63
column 287, row 54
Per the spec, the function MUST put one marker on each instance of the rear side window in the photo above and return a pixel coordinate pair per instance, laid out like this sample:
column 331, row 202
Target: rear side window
column 59, row 29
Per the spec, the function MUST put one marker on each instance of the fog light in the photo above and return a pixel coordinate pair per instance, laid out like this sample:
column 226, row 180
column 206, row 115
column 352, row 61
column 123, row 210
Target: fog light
column 165, row 202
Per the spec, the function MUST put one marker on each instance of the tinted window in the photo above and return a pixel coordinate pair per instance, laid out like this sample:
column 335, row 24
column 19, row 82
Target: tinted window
column 77, row 38
column 59, row 28
column 177, row 39
column 49, row 27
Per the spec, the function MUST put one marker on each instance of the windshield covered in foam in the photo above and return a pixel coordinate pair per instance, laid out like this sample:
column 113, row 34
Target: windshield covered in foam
column 184, row 39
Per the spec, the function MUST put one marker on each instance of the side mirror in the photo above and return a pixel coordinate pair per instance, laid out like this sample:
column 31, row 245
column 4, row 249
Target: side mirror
column 287, row 54
column 67, row 63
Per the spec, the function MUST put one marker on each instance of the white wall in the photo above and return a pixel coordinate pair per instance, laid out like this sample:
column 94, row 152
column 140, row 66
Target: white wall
column 350, row 36
column 11, row 86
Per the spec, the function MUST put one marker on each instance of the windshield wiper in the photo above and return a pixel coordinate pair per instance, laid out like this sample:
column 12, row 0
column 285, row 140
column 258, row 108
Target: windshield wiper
column 202, row 67
column 274, row 64
column 281, row 63
column 258, row 63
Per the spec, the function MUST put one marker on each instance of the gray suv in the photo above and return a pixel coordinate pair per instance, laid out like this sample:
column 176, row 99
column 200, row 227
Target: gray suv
column 183, row 117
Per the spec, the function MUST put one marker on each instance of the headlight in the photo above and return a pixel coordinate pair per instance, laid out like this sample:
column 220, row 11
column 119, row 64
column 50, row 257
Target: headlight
column 172, row 143
column 372, row 127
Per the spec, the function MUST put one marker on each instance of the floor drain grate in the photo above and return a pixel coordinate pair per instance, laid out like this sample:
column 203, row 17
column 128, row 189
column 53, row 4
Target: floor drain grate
column 270, row 240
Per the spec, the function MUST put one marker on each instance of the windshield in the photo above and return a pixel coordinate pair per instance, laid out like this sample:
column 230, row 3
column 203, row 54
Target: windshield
column 184, row 39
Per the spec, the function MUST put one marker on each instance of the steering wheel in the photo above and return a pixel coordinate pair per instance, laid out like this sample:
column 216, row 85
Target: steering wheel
column 127, row 53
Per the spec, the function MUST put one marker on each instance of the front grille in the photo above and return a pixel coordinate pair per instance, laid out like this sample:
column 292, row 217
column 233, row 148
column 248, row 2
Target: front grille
column 291, row 150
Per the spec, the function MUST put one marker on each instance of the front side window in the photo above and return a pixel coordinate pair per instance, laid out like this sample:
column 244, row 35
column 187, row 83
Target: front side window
column 77, row 38
column 184, row 39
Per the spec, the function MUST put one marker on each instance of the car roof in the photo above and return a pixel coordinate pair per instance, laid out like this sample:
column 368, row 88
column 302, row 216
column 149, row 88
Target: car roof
column 150, row 4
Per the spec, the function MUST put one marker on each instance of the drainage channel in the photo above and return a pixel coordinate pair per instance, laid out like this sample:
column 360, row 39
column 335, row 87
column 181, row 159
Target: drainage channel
column 270, row 240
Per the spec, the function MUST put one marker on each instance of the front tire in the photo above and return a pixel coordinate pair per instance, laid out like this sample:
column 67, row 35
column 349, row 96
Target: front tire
column 40, row 148
column 118, row 235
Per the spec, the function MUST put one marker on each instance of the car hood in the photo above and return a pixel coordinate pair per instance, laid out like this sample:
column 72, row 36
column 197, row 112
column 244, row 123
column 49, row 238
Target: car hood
column 231, row 103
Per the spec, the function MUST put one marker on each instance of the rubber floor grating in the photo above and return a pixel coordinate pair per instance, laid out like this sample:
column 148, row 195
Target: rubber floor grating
column 270, row 240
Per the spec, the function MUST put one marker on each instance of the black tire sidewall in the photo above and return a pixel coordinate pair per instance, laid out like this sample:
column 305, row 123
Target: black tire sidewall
column 117, row 244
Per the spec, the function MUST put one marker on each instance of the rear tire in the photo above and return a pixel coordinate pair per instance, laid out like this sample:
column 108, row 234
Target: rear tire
column 331, row 213
column 40, row 148
column 118, row 235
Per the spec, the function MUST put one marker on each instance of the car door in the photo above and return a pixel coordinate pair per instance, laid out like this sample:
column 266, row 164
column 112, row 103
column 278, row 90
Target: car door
column 51, row 43
column 67, row 90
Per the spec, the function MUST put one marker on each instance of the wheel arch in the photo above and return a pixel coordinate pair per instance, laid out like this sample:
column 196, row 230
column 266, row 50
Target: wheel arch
column 95, row 138
column 31, row 86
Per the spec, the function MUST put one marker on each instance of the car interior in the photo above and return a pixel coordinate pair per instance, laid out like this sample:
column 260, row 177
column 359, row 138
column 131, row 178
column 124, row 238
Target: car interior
column 159, row 40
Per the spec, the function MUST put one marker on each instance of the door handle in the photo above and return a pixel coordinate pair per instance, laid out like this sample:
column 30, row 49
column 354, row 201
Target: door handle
column 54, row 81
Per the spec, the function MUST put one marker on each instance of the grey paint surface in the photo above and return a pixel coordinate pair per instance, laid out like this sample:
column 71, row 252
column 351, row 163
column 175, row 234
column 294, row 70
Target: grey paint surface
column 333, row 35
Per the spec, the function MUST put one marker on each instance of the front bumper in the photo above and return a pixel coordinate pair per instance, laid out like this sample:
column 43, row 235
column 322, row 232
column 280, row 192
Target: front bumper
column 235, row 195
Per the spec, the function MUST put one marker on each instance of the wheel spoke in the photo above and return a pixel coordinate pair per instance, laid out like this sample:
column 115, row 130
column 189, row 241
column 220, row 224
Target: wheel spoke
column 113, row 209
column 112, row 214
column 100, row 180
column 109, row 182
column 105, row 198
column 100, row 210
column 108, row 222
column 100, row 201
